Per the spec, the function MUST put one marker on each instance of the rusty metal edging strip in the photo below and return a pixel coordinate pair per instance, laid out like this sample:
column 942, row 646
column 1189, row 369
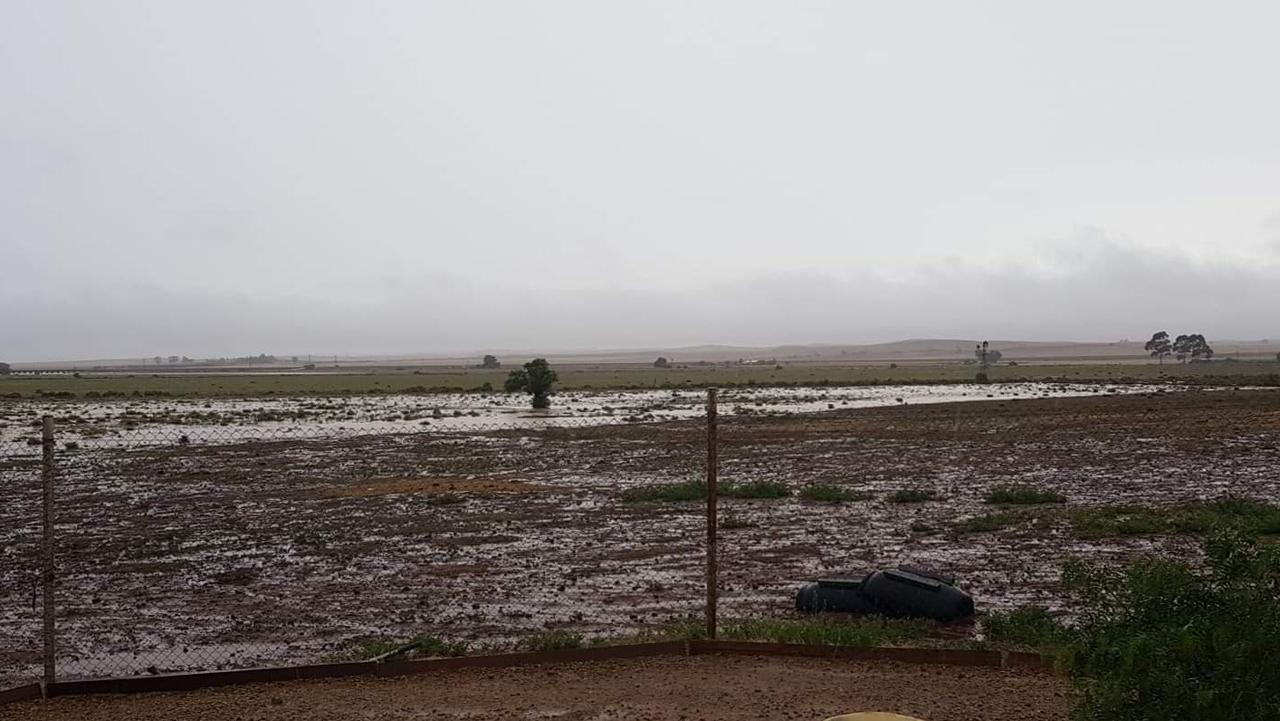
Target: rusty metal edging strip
column 189, row 681
column 20, row 693
column 206, row 679
column 944, row 656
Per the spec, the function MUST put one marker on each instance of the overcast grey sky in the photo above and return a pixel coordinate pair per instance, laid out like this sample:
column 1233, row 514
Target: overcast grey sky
column 218, row 178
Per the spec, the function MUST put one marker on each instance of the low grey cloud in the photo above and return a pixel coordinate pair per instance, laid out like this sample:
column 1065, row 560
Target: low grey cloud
column 1107, row 292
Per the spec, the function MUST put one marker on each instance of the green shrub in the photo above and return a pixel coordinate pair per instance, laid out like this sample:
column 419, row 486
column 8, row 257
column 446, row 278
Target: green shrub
column 1160, row 640
column 552, row 641
column 1030, row 627
column 695, row 490
column 911, row 495
column 1202, row 517
column 1020, row 494
column 830, row 494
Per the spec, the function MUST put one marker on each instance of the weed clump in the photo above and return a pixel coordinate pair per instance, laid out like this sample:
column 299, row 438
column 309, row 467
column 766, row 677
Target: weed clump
column 552, row 641
column 827, row 631
column 830, row 494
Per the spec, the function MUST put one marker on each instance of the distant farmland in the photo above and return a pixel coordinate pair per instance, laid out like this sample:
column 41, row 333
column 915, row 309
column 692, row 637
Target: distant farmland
column 598, row 376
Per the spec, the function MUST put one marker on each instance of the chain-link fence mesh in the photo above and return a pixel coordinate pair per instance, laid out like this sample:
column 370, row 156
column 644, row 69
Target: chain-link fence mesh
column 194, row 538
column 20, row 536
column 186, row 546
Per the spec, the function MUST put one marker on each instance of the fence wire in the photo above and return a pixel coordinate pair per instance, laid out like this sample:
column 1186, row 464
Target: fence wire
column 196, row 547
column 20, row 536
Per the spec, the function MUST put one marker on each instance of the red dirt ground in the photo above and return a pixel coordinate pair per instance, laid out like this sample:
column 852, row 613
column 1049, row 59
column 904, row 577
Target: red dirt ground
column 654, row 689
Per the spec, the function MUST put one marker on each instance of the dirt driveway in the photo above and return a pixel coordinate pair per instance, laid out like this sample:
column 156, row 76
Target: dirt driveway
column 654, row 689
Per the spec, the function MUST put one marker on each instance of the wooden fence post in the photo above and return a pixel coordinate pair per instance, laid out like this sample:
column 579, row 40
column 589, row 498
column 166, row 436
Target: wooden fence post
column 712, row 472
column 47, row 549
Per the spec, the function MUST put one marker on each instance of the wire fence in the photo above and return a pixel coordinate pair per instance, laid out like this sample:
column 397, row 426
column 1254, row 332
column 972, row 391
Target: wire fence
column 201, row 540
column 190, row 548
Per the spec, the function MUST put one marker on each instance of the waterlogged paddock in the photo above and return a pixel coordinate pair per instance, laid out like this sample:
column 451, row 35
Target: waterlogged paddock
column 353, row 415
column 245, row 552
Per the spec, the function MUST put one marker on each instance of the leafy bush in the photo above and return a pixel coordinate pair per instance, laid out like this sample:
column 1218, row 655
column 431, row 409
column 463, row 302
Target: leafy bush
column 830, row 494
column 1159, row 640
column 1020, row 494
column 911, row 495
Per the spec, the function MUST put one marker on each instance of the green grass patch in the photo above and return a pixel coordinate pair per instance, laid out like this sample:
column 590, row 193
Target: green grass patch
column 551, row 641
column 830, row 494
column 1031, row 627
column 695, row 490
column 1023, row 495
column 912, row 495
column 827, row 631
column 1199, row 518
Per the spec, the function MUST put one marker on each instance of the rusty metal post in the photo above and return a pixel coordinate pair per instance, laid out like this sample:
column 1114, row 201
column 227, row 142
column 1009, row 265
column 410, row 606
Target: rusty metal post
column 712, row 472
column 47, row 548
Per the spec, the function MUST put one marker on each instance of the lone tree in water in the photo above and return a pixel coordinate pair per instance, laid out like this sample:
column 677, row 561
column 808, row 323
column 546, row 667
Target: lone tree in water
column 1159, row 346
column 536, row 379
column 490, row 361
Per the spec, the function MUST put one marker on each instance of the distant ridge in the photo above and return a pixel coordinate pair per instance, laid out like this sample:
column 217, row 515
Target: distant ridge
column 919, row 350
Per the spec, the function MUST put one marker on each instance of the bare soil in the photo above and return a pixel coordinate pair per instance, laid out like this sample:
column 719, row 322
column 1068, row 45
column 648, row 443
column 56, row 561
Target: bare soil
column 657, row 689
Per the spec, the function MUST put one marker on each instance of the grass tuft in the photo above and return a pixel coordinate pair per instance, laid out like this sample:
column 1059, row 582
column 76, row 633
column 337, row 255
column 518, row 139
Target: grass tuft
column 830, row 494
column 695, row 490
column 551, row 641
column 827, row 630
column 1031, row 627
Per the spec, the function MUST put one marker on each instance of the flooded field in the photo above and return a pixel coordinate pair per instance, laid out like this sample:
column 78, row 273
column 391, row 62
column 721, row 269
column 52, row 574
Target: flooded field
column 247, row 550
column 353, row 415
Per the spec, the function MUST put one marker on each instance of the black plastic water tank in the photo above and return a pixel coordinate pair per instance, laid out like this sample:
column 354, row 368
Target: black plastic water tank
column 902, row 593
column 835, row 595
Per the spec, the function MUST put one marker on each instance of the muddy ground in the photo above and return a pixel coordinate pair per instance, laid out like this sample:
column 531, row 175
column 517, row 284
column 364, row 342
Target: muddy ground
column 191, row 555
column 659, row 689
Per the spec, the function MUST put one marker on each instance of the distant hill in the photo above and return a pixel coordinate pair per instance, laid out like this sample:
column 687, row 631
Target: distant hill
column 919, row 350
